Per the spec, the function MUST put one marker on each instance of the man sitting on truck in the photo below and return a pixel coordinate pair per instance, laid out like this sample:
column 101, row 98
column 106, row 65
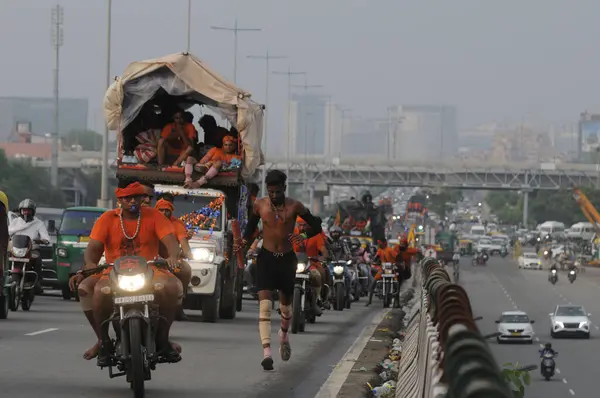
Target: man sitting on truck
column 213, row 133
column 211, row 163
column 176, row 141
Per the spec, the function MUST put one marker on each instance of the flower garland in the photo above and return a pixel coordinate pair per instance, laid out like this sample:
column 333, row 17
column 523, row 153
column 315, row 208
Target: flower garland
column 204, row 219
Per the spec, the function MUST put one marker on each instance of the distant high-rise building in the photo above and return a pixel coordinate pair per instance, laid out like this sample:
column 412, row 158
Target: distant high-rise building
column 308, row 125
column 423, row 132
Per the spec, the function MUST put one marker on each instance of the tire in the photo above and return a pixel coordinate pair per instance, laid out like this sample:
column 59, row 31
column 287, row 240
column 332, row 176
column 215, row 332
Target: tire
column 228, row 307
column 296, row 310
column 4, row 305
column 586, row 336
column 552, row 334
column 137, row 374
column 387, row 299
column 240, row 290
column 27, row 300
column 339, row 297
column 547, row 378
column 13, row 301
column 66, row 292
column 498, row 340
column 211, row 304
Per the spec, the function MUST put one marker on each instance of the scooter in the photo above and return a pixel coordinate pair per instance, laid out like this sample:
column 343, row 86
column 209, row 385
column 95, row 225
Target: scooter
column 553, row 278
column 572, row 275
column 548, row 365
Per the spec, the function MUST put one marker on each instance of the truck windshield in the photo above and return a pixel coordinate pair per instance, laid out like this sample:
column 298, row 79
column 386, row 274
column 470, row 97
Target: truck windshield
column 201, row 212
column 78, row 222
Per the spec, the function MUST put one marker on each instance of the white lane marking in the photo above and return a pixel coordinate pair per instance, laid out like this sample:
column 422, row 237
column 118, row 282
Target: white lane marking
column 558, row 370
column 541, row 346
column 41, row 332
column 537, row 339
column 571, row 392
column 565, row 381
column 376, row 340
column 597, row 328
column 338, row 376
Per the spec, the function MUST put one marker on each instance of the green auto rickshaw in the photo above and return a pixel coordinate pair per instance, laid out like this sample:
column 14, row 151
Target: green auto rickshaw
column 72, row 239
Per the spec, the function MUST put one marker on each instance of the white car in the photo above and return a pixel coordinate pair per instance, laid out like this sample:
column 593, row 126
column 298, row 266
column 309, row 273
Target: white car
column 515, row 326
column 529, row 261
column 570, row 320
column 488, row 245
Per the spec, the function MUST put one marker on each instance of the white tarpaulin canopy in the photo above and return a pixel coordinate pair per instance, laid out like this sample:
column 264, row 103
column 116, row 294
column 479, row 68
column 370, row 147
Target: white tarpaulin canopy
column 185, row 75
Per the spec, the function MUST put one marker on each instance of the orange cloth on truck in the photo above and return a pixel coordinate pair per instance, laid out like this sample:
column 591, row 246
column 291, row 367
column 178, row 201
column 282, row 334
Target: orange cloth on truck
column 175, row 143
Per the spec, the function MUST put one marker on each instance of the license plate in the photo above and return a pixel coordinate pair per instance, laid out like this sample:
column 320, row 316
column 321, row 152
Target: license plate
column 18, row 260
column 388, row 275
column 515, row 333
column 302, row 276
column 84, row 239
column 134, row 299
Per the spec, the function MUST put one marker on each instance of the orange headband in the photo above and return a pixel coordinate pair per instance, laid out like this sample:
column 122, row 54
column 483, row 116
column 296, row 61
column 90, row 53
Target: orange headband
column 228, row 138
column 134, row 189
column 164, row 205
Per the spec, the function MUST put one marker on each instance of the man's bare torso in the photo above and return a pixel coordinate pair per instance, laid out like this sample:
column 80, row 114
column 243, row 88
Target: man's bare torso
column 277, row 224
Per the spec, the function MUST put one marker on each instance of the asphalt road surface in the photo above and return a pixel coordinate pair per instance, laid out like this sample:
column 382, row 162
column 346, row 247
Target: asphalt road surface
column 42, row 350
column 501, row 286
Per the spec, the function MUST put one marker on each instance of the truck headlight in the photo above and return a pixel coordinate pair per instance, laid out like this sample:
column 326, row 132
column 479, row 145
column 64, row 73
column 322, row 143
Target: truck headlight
column 338, row 270
column 19, row 251
column 203, row 254
column 300, row 268
column 132, row 283
column 62, row 252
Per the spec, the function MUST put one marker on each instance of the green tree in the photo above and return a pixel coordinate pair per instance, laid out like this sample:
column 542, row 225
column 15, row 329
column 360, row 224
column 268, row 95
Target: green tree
column 439, row 202
column 88, row 139
column 516, row 377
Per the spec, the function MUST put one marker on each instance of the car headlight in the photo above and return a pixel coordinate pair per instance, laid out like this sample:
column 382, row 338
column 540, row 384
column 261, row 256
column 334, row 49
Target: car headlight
column 19, row 251
column 132, row 283
column 62, row 252
column 584, row 324
column 559, row 324
column 203, row 254
column 300, row 268
column 338, row 270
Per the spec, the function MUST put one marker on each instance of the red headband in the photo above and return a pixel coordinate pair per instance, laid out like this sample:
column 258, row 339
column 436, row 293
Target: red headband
column 134, row 189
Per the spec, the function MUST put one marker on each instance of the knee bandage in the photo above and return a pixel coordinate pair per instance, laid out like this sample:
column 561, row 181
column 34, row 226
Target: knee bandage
column 264, row 321
column 85, row 297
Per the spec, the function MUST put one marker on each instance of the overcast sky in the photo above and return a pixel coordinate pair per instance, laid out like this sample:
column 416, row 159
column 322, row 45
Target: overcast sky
column 494, row 60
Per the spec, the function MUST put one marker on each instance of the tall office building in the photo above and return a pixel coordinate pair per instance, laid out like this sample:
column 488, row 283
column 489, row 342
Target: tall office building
column 309, row 125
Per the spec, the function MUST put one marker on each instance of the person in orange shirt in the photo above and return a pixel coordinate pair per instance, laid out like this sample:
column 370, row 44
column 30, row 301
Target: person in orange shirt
column 132, row 230
column 183, row 271
column 385, row 254
column 176, row 140
column 211, row 163
column 313, row 247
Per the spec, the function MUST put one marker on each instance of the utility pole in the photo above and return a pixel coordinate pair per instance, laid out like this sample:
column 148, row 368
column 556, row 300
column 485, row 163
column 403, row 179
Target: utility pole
column 289, row 74
column 57, row 18
column 189, row 26
column 104, row 201
column 235, row 31
column 267, row 58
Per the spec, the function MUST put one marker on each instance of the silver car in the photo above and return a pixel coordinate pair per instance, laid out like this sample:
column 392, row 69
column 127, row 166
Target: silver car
column 570, row 320
column 514, row 326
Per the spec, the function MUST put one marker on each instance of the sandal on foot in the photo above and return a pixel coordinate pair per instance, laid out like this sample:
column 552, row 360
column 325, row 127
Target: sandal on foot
column 267, row 363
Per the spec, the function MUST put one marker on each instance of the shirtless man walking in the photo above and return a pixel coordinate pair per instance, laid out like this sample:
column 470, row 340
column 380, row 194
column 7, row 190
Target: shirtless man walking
column 276, row 264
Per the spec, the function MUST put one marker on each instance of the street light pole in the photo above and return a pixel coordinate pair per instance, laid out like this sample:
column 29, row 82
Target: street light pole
column 57, row 18
column 289, row 74
column 189, row 26
column 235, row 31
column 267, row 58
column 104, row 201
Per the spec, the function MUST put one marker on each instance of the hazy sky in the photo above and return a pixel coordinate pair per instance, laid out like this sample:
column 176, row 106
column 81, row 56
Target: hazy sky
column 494, row 60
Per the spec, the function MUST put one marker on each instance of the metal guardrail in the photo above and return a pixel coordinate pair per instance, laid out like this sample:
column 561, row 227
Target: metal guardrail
column 444, row 355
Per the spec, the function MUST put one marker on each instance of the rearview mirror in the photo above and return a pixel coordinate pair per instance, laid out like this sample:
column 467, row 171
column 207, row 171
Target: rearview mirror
column 532, row 321
column 497, row 321
column 589, row 314
column 550, row 314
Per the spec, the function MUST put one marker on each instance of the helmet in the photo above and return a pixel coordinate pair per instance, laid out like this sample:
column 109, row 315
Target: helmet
column 355, row 243
column 335, row 230
column 28, row 204
column 4, row 200
column 548, row 346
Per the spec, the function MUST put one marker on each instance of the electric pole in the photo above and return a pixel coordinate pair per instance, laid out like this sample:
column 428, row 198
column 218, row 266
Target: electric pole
column 57, row 18
column 235, row 31
column 289, row 74
column 267, row 58
column 189, row 26
column 104, row 202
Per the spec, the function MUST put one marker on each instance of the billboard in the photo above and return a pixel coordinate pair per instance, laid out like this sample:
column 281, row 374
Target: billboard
column 590, row 135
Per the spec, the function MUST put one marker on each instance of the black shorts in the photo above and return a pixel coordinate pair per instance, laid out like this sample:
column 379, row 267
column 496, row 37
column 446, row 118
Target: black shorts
column 276, row 271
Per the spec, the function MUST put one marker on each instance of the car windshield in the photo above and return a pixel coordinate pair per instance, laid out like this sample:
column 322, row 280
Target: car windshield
column 530, row 255
column 78, row 222
column 498, row 241
column 200, row 212
column 485, row 241
column 514, row 318
column 570, row 311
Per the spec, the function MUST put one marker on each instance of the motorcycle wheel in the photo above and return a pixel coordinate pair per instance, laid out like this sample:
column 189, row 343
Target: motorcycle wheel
column 14, row 300
column 27, row 300
column 348, row 303
column 297, row 310
column 5, row 305
column 547, row 377
column 136, row 362
column 339, row 297
column 387, row 300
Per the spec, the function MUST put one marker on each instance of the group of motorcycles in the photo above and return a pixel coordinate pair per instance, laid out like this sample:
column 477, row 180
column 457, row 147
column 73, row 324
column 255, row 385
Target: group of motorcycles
column 481, row 257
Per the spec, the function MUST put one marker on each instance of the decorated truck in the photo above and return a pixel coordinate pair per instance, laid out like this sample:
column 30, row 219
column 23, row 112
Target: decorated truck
column 138, row 105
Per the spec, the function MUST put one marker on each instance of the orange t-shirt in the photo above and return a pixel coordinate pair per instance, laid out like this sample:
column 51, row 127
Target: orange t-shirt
column 408, row 254
column 154, row 226
column 180, row 229
column 218, row 154
column 311, row 246
column 175, row 142
column 387, row 255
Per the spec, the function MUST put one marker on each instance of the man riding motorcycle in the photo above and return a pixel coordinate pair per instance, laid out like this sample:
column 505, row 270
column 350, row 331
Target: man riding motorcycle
column 385, row 254
column 547, row 350
column 313, row 247
column 28, row 224
column 338, row 249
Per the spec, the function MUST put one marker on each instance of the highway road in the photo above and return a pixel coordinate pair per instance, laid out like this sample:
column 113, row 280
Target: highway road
column 42, row 350
column 501, row 286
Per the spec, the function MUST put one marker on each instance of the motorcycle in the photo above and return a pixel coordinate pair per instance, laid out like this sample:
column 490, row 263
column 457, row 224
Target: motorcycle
column 135, row 319
column 340, row 289
column 304, row 297
column 388, row 286
column 572, row 275
column 22, row 276
column 503, row 252
column 553, row 277
column 364, row 278
column 355, row 286
column 249, row 272
column 481, row 258
column 548, row 365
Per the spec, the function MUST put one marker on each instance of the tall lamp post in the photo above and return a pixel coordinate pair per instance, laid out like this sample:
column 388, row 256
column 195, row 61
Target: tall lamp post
column 235, row 31
column 267, row 58
column 57, row 18
column 104, row 201
column 189, row 26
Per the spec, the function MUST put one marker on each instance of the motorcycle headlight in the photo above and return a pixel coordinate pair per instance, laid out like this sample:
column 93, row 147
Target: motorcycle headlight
column 572, row 272
column 300, row 268
column 19, row 251
column 545, row 253
column 348, row 262
column 203, row 254
column 338, row 270
column 132, row 283
column 553, row 271
column 62, row 252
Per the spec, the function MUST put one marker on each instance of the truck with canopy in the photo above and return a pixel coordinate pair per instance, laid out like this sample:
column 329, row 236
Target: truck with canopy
column 138, row 105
